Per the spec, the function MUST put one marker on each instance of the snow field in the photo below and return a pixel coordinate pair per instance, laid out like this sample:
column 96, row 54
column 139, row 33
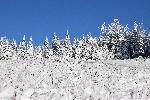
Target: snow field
column 74, row 80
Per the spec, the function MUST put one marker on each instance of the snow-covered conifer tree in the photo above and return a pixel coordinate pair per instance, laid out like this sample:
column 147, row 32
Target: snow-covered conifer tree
column 143, row 40
column 22, row 48
column 46, row 48
column 79, row 48
column 75, row 47
column 136, row 42
column 5, row 50
column 116, row 35
column 68, row 47
column 14, row 49
column 76, row 42
column 54, row 44
column 67, row 40
column 89, row 47
column 30, row 48
column 14, row 45
column 105, row 38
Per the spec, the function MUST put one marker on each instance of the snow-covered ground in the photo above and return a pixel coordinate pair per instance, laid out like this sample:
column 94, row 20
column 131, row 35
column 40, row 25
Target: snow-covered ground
column 70, row 79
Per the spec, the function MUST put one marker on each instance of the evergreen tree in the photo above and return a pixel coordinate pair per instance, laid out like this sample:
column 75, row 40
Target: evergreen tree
column 144, row 41
column 136, row 42
column 30, row 48
column 22, row 48
column 67, row 40
column 14, row 45
column 68, row 47
column 5, row 50
column 46, row 48
column 113, row 33
column 14, row 49
column 89, row 49
column 75, row 47
column 55, row 45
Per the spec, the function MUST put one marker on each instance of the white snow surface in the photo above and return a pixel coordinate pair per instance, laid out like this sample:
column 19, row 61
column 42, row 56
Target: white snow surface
column 71, row 79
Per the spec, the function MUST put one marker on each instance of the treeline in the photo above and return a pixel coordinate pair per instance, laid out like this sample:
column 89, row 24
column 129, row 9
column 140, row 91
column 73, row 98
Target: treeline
column 125, row 43
column 115, row 42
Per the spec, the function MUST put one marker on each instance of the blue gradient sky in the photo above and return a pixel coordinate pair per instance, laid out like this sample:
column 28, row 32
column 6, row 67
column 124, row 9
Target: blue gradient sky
column 40, row 18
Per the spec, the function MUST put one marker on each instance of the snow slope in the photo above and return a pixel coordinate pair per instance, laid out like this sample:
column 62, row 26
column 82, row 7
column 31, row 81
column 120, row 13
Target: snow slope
column 61, row 79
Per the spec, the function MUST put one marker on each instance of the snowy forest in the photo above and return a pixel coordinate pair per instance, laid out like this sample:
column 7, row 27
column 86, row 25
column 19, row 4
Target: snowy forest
column 113, row 66
column 115, row 42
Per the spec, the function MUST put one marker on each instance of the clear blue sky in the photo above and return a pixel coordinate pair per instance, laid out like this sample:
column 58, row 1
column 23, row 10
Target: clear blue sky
column 40, row 18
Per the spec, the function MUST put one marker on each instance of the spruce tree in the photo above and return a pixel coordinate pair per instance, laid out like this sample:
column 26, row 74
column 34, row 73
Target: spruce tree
column 46, row 48
column 30, row 48
column 14, row 49
column 5, row 49
column 55, row 45
column 22, row 48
